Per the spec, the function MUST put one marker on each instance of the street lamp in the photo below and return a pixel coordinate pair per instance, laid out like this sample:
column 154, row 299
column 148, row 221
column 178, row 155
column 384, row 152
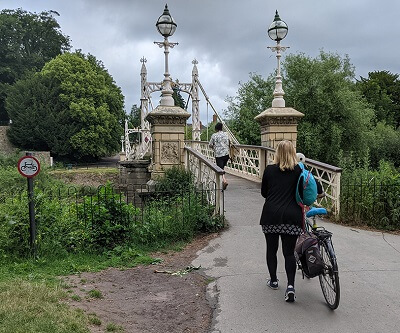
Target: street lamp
column 278, row 31
column 166, row 26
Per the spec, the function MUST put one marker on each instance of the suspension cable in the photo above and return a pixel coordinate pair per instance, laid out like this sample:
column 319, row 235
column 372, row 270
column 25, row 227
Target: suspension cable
column 233, row 138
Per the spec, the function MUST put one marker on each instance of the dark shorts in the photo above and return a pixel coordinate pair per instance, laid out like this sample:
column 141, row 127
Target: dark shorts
column 221, row 161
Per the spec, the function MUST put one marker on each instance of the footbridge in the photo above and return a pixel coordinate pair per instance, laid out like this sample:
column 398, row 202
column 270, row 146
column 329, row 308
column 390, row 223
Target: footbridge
column 246, row 161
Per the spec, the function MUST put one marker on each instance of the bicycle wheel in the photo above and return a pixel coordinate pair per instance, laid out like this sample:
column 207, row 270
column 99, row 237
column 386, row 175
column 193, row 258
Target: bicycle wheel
column 329, row 279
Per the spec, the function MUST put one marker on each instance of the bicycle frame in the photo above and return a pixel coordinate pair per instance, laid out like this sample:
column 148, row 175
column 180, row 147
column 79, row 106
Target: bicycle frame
column 329, row 278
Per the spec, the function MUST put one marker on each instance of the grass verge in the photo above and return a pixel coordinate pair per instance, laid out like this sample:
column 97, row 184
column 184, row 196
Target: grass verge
column 32, row 293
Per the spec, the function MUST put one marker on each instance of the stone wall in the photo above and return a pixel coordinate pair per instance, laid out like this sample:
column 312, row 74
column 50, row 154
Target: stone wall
column 133, row 178
column 5, row 146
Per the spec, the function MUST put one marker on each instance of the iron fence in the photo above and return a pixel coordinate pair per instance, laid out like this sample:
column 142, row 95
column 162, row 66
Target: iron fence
column 373, row 203
column 75, row 219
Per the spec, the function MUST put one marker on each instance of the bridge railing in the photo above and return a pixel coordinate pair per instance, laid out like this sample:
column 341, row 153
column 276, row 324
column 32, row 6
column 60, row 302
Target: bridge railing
column 249, row 162
column 208, row 177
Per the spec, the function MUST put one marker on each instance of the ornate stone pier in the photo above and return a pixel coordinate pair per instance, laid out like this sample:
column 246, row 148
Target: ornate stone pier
column 168, row 135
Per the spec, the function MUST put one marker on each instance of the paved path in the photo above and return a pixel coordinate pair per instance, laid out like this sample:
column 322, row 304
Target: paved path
column 369, row 271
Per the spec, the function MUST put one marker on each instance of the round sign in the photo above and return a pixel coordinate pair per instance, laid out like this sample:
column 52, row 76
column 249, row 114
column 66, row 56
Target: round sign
column 28, row 166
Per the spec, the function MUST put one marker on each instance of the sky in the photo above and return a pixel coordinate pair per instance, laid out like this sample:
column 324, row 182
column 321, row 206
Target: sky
column 228, row 38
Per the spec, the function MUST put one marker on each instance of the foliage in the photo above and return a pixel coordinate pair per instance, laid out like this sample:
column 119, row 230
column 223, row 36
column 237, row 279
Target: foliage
column 382, row 90
column 72, row 108
column 175, row 180
column 28, row 41
column 253, row 97
column 336, row 118
column 384, row 144
column 207, row 132
column 134, row 117
column 26, row 306
column 77, row 221
column 371, row 197
column 339, row 123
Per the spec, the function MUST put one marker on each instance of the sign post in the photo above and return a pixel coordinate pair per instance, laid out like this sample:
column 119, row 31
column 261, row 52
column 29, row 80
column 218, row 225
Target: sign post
column 29, row 167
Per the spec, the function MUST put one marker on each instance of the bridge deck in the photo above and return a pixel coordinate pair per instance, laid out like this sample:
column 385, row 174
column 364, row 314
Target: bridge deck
column 369, row 268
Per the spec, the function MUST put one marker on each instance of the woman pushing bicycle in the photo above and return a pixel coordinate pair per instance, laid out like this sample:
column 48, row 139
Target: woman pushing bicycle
column 281, row 216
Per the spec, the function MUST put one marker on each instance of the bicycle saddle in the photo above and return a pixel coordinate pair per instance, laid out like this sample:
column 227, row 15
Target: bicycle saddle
column 316, row 211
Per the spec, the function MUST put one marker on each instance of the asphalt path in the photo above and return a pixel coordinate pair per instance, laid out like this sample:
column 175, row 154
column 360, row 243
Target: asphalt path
column 369, row 273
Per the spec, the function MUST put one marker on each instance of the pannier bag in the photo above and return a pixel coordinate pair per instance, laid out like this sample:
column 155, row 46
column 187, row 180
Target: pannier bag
column 309, row 254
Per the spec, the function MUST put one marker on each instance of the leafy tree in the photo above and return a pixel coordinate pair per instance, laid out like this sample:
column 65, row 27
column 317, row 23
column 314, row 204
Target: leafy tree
column 72, row 107
column 253, row 98
column 134, row 117
column 28, row 41
column 382, row 91
column 337, row 119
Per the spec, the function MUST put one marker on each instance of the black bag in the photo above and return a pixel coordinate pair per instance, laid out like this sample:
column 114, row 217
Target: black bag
column 309, row 254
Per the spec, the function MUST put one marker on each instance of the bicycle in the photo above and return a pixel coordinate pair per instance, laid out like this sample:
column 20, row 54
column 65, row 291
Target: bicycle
column 329, row 278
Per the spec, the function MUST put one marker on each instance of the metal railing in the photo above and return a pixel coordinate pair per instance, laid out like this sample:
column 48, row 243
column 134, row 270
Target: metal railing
column 371, row 202
column 249, row 162
column 84, row 217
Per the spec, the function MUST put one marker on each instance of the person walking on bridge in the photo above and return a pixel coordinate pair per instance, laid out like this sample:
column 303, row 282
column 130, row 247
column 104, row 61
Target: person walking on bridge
column 219, row 141
column 281, row 216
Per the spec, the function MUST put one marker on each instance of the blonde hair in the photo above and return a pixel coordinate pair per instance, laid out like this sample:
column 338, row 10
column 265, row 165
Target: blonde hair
column 285, row 155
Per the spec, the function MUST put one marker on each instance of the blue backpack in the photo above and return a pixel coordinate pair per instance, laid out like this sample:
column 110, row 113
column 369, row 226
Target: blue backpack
column 307, row 181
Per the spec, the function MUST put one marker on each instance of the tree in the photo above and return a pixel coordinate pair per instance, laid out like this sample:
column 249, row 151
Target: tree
column 382, row 90
column 134, row 117
column 337, row 119
column 28, row 41
column 252, row 98
column 72, row 107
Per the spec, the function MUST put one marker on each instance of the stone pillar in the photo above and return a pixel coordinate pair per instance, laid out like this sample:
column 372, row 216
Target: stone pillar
column 277, row 124
column 133, row 178
column 168, row 135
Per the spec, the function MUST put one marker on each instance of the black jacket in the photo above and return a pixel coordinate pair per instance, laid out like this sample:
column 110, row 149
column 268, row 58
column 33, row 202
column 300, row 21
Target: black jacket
column 279, row 190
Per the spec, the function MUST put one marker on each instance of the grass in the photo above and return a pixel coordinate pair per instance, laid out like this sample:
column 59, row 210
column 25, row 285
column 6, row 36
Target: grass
column 95, row 171
column 94, row 293
column 111, row 327
column 35, row 307
column 32, row 294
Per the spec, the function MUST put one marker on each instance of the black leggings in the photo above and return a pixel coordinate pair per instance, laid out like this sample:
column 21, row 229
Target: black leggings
column 288, row 244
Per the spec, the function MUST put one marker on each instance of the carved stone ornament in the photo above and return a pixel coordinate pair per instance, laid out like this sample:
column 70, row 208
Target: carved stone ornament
column 168, row 115
column 280, row 121
column 169, row 151
column 276, row 116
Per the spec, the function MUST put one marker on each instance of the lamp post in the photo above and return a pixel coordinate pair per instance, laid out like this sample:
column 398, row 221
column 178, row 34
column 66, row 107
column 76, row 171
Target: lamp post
column 166, row 26
column 278, row 31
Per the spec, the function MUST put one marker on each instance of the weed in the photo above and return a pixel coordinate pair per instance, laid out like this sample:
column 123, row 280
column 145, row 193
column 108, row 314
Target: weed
column 111, row 327
column 94, row 293
column 93, row 319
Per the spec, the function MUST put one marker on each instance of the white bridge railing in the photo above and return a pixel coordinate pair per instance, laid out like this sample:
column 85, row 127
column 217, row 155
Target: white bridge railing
column 208, row 177
column 249, row 162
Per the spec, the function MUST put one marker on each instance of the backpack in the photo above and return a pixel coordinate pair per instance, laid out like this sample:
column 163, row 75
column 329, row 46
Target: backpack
column 307, row 181
column 308, row 253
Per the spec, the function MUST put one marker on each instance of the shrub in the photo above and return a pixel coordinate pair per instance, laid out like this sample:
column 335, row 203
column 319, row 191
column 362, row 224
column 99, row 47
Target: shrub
column 371, row 197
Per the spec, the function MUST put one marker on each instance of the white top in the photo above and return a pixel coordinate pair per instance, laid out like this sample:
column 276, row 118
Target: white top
column 220, row 142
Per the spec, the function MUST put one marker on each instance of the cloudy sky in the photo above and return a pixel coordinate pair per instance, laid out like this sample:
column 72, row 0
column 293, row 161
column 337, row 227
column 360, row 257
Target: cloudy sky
column 228, row 38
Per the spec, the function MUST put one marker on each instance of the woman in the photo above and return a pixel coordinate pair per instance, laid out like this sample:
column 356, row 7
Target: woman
column 220, row 143
column 281, row 215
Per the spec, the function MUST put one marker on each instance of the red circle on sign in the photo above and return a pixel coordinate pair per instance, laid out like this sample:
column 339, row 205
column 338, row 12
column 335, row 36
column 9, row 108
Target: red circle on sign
column 28, row 166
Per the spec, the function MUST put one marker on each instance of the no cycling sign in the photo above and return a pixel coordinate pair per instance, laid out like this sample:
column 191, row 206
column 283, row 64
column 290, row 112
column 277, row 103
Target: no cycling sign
column 28, row 166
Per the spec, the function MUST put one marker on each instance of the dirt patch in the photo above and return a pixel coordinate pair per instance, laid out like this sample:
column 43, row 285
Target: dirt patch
column 143, row 300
